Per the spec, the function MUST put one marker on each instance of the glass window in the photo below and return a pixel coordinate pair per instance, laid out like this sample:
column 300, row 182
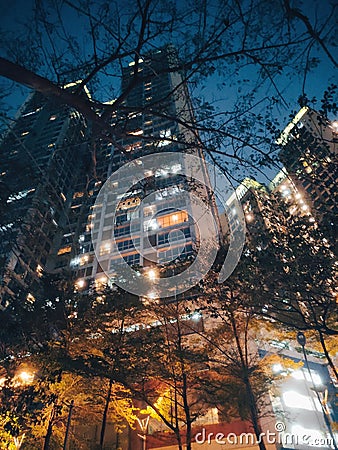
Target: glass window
column 175, row 253
column 172, row 219
column 122, row 231
column 173, row 236
column 132, row 260
column 128, row 244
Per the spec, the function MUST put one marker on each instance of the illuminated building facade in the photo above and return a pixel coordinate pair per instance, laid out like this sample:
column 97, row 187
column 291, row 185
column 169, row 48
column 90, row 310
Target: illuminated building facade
column 305, row 402
column 309, row 154
column 40, row 154
column 154, row 224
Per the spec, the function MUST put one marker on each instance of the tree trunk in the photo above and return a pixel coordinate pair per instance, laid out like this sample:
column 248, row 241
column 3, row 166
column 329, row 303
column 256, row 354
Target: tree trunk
column 105, row 414
column 327, row 355
column 254, row 414
column 248, row 387
column 186, row 411
column 50, row 427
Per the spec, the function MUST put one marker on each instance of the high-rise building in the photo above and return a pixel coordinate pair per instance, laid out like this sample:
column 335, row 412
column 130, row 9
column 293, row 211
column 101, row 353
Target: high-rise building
column 41, row 154
column 309, row 153
column 305, row 402
column 152, row 221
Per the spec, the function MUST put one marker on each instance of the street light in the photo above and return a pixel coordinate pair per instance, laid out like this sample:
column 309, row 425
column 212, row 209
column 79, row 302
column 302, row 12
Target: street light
column 26, row 377
column 301, row 339
column 144, row 428
column 152, row 274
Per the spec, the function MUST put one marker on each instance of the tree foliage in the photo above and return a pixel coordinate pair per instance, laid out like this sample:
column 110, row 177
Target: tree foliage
column 249, row 50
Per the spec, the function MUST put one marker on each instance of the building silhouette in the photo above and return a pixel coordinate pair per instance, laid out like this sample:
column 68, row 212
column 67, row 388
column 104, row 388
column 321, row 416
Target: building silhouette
column 40, row 154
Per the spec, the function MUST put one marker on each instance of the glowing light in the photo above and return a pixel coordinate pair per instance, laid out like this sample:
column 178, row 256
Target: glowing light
column 286, row 192
column 152, row 274
column 30, row 298
column 293, row 399
column 335, row 126
column 25, row 377
column 80, row 284
column 100, row 282
column 299, row 375
column 196, row 316
column 277, row 368
column 249, row 217
column 136, row 132
column 152, row 295
column 39, row 270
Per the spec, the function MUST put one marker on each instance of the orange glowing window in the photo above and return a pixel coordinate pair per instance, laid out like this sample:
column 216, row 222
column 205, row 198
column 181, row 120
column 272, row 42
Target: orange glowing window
column 64, row 250
column 172, row 219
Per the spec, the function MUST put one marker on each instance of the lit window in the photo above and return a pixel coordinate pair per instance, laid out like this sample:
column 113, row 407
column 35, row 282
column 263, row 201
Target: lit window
column 64, row 250
column 30, row 298
column 138, row 132
column 78, row 194
column 19, row 195
column 39, row 270
column 53, row 117
column 129, row 203
column 84, row 260
column 172, row 219
column 105, row 248
column 24, row 133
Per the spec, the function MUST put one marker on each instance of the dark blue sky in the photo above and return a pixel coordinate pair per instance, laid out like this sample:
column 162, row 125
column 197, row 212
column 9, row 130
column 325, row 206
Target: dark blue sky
column 15, row 13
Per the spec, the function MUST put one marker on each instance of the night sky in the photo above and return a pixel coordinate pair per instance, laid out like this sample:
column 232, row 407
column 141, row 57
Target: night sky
column 15, row 13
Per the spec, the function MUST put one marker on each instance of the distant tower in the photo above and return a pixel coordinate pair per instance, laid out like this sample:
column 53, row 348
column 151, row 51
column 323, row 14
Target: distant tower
column 309, row 154
column 40, row 156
